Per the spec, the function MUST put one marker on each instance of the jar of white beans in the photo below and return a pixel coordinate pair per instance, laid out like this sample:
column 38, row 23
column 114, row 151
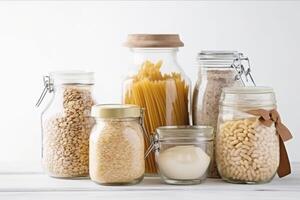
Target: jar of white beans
column 246, row 150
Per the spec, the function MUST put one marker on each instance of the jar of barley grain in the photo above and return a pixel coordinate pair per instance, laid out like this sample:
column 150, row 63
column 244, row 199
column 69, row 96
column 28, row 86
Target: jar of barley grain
column 246, row 150
column 67, row 124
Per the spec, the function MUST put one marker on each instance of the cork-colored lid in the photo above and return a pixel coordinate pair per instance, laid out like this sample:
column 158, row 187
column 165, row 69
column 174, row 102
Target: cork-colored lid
column 153, row 41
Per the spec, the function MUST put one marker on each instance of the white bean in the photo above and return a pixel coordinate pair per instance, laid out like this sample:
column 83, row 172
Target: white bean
column 249, row 149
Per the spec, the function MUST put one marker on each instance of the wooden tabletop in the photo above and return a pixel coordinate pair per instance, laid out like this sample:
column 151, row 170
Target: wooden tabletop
column 36, row 185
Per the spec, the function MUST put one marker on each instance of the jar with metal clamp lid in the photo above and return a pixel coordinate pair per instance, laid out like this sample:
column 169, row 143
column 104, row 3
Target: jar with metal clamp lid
column 117, row 144
column 247, row 149
column 217, row 69
column 182, row 153
column 67, row 124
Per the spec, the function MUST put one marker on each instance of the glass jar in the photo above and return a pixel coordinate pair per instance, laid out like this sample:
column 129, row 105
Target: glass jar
column 66, row 124
column 246, row 150
column 183, row 153
column 158, row 84
column 117, row 145
column 216, row 71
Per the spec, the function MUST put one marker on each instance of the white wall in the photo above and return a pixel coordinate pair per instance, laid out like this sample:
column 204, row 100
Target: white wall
column 38, row 37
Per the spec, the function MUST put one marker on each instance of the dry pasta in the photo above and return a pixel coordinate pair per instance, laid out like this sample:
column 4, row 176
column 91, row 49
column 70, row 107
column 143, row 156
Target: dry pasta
column 165, row 98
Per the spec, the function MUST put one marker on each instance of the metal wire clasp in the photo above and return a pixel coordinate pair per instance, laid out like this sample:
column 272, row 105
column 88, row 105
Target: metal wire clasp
column 48, row 87
column 150, row 139
column 153, row 145
column 241, row 70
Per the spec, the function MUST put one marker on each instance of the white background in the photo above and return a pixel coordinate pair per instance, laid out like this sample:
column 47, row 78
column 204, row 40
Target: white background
column 38, row 37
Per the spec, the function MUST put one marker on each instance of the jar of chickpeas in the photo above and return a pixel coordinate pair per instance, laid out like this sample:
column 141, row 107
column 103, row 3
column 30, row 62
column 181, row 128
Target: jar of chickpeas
column 247, row 151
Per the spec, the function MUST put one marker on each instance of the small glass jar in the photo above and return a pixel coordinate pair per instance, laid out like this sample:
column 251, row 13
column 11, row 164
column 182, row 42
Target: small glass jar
column 246, row 150
column 216, row 71
column 158, row 84
column 183, row 153
column 117, row 145
column 67, row 124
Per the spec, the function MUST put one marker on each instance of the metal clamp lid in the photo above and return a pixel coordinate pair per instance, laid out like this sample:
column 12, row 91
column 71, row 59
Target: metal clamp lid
column 179, row 134
column 241, row 70
column 48, row 87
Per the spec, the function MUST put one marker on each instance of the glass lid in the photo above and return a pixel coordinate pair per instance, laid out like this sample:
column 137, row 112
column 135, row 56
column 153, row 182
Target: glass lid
column 218, row 58
column 218, row 55
column 185, row 132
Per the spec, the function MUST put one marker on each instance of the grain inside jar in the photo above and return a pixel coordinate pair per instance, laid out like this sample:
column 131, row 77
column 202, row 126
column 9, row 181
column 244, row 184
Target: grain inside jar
column 215, row 73
column 117, row 145
column 66, row 127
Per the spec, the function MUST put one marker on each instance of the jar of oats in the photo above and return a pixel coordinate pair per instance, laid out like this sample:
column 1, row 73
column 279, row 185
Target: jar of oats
column 67, row 124
column 246, row 150
column 117, row 145
column 217, row 69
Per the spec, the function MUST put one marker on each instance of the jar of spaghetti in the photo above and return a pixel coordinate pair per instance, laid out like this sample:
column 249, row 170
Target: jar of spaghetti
column 157, row 83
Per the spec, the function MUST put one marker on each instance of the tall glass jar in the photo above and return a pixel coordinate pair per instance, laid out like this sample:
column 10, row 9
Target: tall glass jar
column 158, row 84
column 247, row 151
column 67, row 124
column 117, row 145
column 216, row 71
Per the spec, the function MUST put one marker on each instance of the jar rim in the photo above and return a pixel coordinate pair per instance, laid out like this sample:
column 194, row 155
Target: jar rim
column 184, row 132
column 248, row 90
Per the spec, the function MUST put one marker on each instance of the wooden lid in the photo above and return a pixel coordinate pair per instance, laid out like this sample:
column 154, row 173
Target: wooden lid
column 153, row 41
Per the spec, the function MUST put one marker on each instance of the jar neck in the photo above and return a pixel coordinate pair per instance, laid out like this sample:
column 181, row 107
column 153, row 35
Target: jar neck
column 215, row 64
column 249, row 101
column 128, row 119
column 61, row 87
column 167, row 55
column 228, row 73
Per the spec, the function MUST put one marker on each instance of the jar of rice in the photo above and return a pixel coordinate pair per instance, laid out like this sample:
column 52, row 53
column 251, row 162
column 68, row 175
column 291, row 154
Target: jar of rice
column 117, row 145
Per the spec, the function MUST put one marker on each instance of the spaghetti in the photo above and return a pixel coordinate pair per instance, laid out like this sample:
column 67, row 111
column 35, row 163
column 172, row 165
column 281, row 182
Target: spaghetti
column 165, row 98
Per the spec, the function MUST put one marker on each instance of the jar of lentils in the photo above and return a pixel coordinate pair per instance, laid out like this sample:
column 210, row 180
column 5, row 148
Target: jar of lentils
column 67, row 124
column 246, row 150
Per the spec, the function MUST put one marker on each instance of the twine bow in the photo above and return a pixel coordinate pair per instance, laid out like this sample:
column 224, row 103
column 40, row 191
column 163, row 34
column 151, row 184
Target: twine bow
column 267, row 118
